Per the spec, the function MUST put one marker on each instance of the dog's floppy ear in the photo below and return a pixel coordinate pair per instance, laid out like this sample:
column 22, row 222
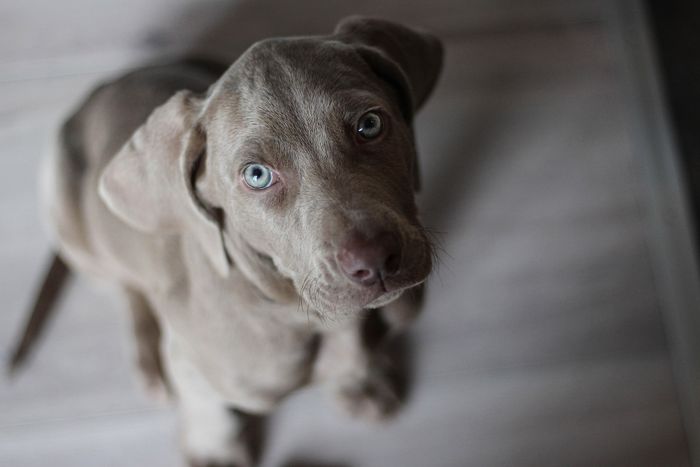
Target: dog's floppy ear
column 410, row 60
column 150, row 182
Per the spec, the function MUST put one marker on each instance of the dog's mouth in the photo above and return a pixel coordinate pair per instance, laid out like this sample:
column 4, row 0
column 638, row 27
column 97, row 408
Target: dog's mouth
column 324, row 287
column 334, row 295
column 385, row 298
column 343, row 300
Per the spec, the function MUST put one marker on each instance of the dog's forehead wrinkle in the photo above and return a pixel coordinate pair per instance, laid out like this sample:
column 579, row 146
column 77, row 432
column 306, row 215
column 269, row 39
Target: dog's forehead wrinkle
column 291, row 138
column 287, row 89
column 300, row 76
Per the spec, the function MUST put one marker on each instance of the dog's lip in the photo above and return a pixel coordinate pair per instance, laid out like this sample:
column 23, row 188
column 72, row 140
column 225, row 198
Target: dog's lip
column 384, row 298
column 365, row 296
column 381, row 291
column 373, row 296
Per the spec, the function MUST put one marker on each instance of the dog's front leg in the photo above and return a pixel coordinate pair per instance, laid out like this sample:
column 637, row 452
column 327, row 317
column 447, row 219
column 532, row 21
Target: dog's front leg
column 212, row 433
column 356, row 375
column 147, row 339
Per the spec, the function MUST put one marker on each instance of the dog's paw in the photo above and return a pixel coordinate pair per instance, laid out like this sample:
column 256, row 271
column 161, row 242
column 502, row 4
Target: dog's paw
column 373, row 399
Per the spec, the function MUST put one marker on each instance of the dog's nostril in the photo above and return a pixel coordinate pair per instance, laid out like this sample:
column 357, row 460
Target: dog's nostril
column 362, row 274
column 366, row 261
column 391, row 265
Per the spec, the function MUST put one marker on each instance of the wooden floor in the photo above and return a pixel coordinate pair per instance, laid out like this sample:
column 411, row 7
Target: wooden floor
column 542, row 343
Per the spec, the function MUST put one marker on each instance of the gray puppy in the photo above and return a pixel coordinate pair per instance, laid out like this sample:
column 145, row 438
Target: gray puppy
column 253, row 218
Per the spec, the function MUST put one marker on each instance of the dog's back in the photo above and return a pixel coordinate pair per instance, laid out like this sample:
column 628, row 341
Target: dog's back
column 69, row 180
column 110, row 115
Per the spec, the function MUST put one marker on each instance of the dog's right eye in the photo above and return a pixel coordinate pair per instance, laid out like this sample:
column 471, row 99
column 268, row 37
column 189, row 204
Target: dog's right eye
column 258, row 176
column 369, row 126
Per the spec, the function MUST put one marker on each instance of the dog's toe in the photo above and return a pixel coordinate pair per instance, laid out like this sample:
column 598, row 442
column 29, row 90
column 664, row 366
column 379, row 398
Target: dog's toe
column 374, row 399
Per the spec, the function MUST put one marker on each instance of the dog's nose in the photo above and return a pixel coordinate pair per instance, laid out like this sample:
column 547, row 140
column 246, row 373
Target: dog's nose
column 366, row 261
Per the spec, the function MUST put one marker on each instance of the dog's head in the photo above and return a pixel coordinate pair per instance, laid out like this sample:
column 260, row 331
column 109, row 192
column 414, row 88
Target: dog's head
column 298, row 166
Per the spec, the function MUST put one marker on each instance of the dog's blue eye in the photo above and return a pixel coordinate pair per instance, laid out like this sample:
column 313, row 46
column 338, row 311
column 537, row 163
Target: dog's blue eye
column 369, row 126
column 257, row 176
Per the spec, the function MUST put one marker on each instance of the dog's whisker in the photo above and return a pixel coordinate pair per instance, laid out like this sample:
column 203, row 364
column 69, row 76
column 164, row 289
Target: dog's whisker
column 438, row 253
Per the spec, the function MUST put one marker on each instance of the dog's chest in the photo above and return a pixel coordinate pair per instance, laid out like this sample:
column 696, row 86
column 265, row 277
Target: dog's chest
column 244, row 347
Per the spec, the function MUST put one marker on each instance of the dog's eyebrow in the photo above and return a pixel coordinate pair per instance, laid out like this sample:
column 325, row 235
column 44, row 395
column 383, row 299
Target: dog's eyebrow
column 268, row 150
column 357, row 102
column 359, row 97
column 315, row 130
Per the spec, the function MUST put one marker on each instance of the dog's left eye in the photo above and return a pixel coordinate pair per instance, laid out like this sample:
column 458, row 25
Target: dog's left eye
column 370, row 125
column 258, row 176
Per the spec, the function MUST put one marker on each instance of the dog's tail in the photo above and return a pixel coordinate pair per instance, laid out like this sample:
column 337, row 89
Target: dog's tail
column 54, row 280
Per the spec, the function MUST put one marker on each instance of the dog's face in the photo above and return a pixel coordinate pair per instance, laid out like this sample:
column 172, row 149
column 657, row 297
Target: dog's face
column 311, row 161
column 301, row 161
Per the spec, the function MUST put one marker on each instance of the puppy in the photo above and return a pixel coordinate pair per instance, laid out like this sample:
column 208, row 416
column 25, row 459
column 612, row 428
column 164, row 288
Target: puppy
column 253, row 216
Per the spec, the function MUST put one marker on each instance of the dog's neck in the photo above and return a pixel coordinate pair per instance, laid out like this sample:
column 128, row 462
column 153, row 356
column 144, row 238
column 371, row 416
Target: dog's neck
column 260, row 271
